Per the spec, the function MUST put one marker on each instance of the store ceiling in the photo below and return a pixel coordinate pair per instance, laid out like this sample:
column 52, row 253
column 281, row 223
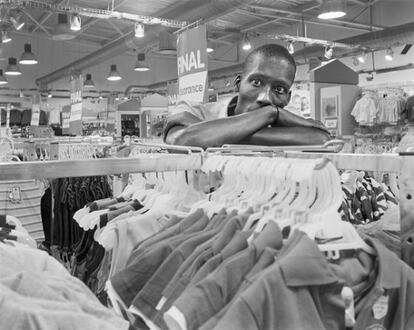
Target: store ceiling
column 227, row 24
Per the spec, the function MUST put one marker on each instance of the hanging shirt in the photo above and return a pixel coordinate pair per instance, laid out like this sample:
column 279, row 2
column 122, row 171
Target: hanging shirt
column 365, row 111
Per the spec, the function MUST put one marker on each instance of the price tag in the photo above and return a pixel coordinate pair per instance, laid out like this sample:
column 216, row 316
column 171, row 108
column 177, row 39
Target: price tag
column 15, row 195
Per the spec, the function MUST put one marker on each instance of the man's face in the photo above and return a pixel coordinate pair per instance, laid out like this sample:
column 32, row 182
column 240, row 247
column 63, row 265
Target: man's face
column 266, row 82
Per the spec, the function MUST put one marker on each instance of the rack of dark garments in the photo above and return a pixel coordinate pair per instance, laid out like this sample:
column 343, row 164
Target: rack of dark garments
column 22, row 117
column 390, row 163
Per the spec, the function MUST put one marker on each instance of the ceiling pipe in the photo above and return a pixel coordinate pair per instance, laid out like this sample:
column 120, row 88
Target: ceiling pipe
column 186, row 10
column 375, row 40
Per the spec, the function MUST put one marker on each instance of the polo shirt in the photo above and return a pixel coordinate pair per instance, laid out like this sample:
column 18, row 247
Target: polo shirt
column 128, row 282
column 267, row 258
column 299, row 291
column 200, row 302
column 227, row 243
column 149, row 296
column 180, row 227
column 389, row 302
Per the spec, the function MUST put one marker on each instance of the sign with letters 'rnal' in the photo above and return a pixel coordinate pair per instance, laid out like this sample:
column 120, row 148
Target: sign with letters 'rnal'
column 192, row 64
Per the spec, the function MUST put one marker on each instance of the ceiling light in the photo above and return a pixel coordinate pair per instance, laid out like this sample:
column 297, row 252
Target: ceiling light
column 211, row 87
column 88, row 83
column 246, row 43
column 139, row 30
column 141, row 64
column 17, row 21
column 389, row 54
column 355, row 61
column 100, row 97
column 62, row 29
column 12, row 69
column 5, row 36
column 117, row 98
column 125, row 98
column 328, row 52
column 290, row 47
column 362, row 58
column 210, row 47
column 331, row 9
column 113, row 74
column 167, row 43
column 75, row 22
column 21, row 94
column 3, row 80
column 28, row 57
column 49, row 95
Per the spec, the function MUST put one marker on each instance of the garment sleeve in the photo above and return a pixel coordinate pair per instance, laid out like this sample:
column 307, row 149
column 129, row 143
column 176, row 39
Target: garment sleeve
column 239, row 316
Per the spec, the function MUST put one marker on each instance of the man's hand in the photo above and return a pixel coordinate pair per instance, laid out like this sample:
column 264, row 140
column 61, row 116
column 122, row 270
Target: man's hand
column 317, row 124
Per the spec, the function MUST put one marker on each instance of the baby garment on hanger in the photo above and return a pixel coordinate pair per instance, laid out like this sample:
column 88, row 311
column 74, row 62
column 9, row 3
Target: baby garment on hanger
column 365, row 110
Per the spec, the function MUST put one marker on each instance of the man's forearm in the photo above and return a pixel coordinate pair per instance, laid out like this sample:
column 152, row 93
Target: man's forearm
column 229, row 130
column 285, row 136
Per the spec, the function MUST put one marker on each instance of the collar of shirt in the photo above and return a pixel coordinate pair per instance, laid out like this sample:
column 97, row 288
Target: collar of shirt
column 302, row 264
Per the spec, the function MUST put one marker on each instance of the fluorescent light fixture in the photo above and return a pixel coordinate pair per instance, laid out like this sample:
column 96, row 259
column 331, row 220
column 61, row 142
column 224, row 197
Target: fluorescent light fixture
column 332, row 9
column 389, row 54
column 13, row 69
column 328, row 52
column 355, row 61
column 75, row 22
column 88, row 83
column 5, row 36
column 167, row 43
column 3, row 80
column 17, row 21
column 362, row 58
column 113, row 74
column 290, row 47
column 210, row 47
column 28, row 57
column 139, row 30
column 246, row 43
column 141, row 64
column 62, row 30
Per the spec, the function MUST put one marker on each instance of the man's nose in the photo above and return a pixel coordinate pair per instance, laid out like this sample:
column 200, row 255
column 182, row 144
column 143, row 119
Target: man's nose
column 264, row 97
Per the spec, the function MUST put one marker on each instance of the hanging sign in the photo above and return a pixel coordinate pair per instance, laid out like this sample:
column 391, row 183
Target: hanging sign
column 8, row 110
column 192, row 65
column 75, row 121
column 172, row 92
column 65, row 119
column 35, row 110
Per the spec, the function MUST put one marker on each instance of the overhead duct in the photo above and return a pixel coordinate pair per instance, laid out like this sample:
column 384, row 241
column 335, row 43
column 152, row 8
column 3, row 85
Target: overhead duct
column 184, row 10
column 375, row 40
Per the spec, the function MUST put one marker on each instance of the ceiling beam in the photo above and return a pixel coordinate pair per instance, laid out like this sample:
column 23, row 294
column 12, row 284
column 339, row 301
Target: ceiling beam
column 321, row 23
column 92, row 21
column 36, row 22
column 308, row 17
column 116, row 28
column 45, row 17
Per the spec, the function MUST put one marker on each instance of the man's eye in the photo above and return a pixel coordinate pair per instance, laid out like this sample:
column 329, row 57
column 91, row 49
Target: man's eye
column 280, row 90
column 256, row 82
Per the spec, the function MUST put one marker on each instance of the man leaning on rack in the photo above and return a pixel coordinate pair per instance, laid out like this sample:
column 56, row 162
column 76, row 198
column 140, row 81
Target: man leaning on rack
column 255, row 116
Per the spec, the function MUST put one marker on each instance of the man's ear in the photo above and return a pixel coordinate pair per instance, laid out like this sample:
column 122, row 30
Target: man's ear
column 237, row 81
column 288, row 98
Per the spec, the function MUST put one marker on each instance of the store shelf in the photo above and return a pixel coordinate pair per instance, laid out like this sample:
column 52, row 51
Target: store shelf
column 94, row 167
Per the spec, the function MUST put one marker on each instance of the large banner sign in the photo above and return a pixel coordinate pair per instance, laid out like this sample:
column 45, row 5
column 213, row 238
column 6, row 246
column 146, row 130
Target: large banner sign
column 192, row 64
column 75, row 121
column 35, row 110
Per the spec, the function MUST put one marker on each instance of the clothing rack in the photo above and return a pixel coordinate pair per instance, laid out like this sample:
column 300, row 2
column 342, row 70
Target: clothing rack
column 402, row 164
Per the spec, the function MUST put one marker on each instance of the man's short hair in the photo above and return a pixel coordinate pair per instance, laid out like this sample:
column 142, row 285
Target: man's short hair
column 269, row 50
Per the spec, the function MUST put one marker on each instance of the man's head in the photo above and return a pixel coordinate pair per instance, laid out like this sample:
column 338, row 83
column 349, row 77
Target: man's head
column 268, row 74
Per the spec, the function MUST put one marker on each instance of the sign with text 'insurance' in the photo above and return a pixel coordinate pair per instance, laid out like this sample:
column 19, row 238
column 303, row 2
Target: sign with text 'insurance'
column 192, row 64
column 75, row 121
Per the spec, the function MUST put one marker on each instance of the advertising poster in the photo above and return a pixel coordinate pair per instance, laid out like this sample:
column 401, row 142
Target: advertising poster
column 192, row 64
column 75, row 121
column 35, row 110
column 65, row 119
column 300, row 101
